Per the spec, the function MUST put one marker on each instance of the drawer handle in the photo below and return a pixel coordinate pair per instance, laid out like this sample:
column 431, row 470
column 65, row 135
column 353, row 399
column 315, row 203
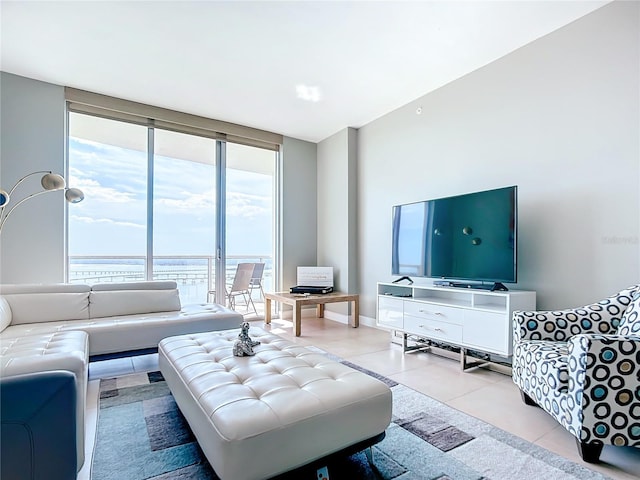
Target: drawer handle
column 427, row 311
column 437, row 329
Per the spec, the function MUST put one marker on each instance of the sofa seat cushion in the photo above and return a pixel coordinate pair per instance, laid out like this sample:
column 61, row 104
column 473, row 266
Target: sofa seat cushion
column 630, row 321
column 48, row 352
column 136, row 332
column 545, row 364
column 43, row 352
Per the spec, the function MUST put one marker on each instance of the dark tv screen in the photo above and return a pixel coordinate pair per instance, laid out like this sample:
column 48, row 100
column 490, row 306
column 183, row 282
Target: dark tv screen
column 465, row 237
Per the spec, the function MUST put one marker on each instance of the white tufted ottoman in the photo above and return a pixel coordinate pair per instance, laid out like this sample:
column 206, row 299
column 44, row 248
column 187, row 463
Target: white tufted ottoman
column 256, row 417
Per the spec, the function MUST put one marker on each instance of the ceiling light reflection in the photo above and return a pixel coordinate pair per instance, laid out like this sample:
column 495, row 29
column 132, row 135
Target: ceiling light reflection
column 310, row 94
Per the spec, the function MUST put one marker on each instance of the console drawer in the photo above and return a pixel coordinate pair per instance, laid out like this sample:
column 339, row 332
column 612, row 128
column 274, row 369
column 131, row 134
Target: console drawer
column 434, row 329
column 434, row 312
column 390, row 312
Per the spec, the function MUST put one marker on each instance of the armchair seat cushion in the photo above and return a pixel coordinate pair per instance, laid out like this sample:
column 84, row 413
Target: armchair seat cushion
column 546, row 365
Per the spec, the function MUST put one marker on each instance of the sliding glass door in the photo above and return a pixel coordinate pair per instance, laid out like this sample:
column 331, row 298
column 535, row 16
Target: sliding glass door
column 184, row 212
column 250, row 219
column 167, row 205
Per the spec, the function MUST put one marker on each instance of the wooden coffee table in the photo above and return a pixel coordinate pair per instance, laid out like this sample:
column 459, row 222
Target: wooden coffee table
column 298, row 300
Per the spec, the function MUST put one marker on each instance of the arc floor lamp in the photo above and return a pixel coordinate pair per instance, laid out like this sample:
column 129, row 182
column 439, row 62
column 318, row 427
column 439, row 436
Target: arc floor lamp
column 51, row 182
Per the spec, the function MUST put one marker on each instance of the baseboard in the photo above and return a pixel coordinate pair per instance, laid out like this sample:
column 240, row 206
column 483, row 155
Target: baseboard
column 342, row 318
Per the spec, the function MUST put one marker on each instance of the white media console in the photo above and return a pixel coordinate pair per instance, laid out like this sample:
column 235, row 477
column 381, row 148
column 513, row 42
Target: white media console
column 464, row 318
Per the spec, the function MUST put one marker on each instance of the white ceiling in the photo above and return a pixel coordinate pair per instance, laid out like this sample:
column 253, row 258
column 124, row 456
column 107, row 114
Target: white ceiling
column 241, row 61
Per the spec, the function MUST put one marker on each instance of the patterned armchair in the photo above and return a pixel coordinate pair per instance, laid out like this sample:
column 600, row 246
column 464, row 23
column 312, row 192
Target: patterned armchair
column 582, row 366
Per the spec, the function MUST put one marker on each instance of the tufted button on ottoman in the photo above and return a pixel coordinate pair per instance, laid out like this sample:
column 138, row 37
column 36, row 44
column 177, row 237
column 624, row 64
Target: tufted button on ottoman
column 259, row 416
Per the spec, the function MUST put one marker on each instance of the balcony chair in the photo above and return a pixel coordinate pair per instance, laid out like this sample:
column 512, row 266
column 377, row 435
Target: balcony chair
column 256, row 278
column 239, row 287
column 582, row 366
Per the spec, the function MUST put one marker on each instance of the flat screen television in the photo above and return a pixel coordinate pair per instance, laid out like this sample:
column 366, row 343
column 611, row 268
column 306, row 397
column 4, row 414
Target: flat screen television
column 471, row 237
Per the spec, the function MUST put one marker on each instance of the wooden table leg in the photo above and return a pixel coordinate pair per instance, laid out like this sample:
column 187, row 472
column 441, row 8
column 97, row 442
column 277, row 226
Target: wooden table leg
column 297, row 315
column 356, row 313
column 320, row 310
column 267, row 311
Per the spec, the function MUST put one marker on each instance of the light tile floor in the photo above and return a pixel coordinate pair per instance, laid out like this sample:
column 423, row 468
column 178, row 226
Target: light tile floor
column 485, row 394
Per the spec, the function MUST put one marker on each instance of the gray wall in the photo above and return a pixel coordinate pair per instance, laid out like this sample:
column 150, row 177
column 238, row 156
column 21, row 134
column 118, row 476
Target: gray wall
column 337, row 207
column 337, row 210
column 32, row 138
column 560, row 119
column 299, row 206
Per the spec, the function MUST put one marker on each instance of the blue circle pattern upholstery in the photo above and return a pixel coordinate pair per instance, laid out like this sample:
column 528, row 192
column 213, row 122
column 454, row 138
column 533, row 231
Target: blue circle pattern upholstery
column 582, row 366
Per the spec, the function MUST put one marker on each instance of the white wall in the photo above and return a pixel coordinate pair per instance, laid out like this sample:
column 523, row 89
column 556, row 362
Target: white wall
column 560, row 119
column 32, row 139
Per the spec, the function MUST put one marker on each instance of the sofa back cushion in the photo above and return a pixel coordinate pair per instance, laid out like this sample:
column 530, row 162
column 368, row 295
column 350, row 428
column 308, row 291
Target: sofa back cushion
column 146, row 285
column 110, row 300
column 48, row 307
column 630, row 321
column 41, row 302
column 5, row 314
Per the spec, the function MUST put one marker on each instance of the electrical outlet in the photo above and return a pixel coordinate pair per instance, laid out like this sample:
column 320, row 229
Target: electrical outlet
column 323, row 473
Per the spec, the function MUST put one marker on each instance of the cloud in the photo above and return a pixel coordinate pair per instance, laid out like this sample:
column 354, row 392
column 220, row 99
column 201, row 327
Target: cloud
column 105, row 221
column 189, row 201
column 247, row 206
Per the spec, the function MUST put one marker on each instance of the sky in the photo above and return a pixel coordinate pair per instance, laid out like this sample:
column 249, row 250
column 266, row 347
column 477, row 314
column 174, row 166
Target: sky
column 112, row 219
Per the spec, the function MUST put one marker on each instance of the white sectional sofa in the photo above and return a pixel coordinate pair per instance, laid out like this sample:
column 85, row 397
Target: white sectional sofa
column 117, row 317
column 57, row 327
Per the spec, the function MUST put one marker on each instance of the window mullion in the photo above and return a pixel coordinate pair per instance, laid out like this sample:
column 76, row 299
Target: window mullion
column 221, row 193
column 150, row 182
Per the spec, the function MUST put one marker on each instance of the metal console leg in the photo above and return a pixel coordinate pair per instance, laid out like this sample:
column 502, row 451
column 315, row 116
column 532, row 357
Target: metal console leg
column 468, row 365
column 414, row 348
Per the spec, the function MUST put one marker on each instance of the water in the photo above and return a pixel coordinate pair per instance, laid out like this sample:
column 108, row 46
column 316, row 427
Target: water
column 194, row 275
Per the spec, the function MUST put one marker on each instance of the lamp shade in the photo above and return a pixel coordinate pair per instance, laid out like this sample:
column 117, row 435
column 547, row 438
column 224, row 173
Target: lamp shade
column 74, row 195
column 52, row 181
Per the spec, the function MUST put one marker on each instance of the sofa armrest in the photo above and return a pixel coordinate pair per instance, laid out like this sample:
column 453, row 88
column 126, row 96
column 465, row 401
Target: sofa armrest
column 38, row 434
column 604, row 387
column 5, row 313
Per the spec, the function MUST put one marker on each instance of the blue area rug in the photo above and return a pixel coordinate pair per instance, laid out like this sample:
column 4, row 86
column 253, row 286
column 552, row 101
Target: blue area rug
column 142, row 435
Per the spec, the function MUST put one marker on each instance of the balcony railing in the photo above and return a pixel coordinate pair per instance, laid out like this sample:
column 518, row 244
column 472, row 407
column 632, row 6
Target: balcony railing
column 194, row 274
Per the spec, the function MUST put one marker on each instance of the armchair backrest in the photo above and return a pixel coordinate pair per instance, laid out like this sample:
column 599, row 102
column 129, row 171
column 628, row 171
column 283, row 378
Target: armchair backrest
column 615, row 307
column 602, row 317
column 630, row 321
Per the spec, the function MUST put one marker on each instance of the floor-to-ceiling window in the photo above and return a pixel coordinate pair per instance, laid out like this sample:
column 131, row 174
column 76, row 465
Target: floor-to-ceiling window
column 150, row 207
column 107, row 235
